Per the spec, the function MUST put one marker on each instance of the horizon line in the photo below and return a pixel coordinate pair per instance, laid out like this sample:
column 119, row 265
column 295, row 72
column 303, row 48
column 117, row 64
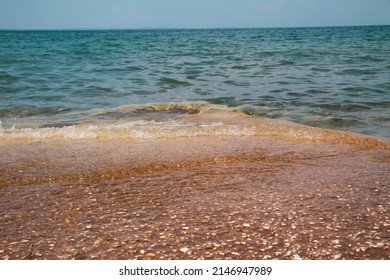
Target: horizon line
column 180, row 28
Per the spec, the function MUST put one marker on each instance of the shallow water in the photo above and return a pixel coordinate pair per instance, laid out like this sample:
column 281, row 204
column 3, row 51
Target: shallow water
column 221, row 197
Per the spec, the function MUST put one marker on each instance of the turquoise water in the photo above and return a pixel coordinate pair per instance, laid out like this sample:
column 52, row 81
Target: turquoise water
column 335, row 78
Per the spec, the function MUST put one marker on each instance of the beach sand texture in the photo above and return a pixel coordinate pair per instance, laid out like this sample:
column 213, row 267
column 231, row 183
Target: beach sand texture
column 206, row 197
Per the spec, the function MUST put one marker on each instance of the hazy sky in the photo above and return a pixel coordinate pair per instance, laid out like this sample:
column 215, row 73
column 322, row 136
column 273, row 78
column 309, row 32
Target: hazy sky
column 71, row 14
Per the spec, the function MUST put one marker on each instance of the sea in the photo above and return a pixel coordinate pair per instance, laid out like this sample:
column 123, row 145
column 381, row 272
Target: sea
column 195, row 144
column 330, row 77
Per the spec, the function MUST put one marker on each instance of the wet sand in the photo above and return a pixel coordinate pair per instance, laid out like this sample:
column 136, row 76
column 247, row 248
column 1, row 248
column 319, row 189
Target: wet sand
column 218, row 197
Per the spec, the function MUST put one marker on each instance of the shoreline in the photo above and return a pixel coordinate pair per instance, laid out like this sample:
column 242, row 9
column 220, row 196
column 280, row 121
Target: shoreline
column 220, row 197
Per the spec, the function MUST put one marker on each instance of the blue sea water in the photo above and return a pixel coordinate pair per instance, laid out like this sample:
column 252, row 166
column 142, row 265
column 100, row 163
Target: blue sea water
column 336, row 77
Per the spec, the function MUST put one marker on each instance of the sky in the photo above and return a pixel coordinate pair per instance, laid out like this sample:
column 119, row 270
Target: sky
column 135, row 14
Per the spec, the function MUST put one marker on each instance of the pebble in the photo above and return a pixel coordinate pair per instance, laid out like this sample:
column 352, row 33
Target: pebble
column 184, row 250
column 297, row 257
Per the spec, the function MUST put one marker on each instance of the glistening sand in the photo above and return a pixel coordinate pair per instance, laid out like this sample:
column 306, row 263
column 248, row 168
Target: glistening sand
column 205, row 197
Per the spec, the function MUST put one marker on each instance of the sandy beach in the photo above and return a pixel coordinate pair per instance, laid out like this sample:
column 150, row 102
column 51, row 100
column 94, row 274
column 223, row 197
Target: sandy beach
column 167, row 130
column 220, row 197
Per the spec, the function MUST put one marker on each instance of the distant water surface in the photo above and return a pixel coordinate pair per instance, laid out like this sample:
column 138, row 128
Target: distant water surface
column 336, row 78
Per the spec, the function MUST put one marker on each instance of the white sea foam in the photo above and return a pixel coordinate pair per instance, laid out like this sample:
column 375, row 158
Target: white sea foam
column 211, row 124
column 140, row 129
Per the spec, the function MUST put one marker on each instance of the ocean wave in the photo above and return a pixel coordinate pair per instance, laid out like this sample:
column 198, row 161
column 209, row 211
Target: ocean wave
column 159, row 121
column 141, row 129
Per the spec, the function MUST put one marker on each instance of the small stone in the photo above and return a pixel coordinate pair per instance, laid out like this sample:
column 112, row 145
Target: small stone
column 380, row 245
column 336, row 257
column 184, row 250
column 246, row 225
column 235, row 253
column 142, row 252
column 297, row 257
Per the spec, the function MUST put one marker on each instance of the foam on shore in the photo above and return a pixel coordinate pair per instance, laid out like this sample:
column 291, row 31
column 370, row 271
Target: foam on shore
column 181, row 121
